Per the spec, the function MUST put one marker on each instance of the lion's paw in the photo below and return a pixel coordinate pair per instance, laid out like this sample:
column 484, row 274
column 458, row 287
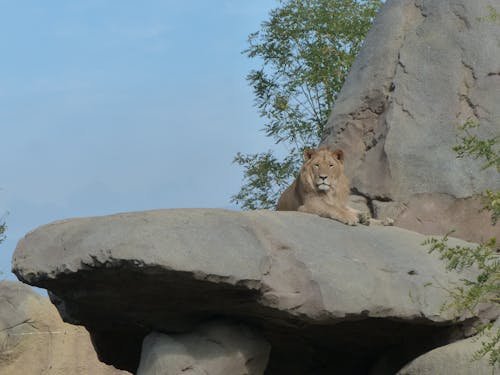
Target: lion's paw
column 364, row 218
column 388, row 221
column 351, row 218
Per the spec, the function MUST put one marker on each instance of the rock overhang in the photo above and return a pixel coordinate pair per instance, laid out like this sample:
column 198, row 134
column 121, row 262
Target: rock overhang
column 291, row 275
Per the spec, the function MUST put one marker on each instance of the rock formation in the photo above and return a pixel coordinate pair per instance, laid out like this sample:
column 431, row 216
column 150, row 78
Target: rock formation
column 426, row 67
column 451, row 359
column 34, row 339
column 213, row 348
column 212, row 291
column 328, row 298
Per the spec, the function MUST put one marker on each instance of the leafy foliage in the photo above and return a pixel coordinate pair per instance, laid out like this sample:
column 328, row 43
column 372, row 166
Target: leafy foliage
column 306, row 49
column 266, row 177
column 486, row 286
column 488, row 149
column 492, row 204
column 485, row 257
column 472, row 146
column 490, row 347
column 492, row 17
column 3, row 228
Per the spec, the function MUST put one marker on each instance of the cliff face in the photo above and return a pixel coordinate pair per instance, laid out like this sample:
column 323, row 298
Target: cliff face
column 425, row 68
column 324, row 297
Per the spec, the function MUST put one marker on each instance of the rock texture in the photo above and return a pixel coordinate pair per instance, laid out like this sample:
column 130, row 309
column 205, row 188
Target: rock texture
column 34, row 339
column 453, row 359
column 212, row 349
column 426, row 67
column 327, row 297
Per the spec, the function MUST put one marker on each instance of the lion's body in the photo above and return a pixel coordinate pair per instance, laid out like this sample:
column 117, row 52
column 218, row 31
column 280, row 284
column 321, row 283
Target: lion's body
column 321, row 188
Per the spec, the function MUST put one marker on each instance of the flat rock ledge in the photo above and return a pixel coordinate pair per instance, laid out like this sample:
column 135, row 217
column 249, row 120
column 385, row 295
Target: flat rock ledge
column 328, row 298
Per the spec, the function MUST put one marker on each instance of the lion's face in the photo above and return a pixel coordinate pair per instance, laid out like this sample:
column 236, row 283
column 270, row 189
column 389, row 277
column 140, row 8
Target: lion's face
column 323, row 168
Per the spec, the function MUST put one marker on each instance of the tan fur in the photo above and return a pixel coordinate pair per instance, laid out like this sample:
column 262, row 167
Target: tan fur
column 322, row 169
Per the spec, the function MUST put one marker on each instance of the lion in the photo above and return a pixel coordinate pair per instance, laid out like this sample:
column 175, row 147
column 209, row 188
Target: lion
column 321, row 188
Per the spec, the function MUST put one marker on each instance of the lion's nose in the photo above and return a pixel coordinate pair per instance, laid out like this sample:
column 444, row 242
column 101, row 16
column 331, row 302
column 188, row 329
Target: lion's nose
column 323, row 177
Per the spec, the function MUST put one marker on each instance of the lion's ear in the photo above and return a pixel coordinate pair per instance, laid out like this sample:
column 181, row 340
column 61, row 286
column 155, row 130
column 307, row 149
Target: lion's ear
column 309, row 153
column 338, row 154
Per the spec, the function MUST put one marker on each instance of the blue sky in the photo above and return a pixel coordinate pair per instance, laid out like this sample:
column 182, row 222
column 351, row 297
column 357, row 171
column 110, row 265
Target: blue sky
column 116, row 105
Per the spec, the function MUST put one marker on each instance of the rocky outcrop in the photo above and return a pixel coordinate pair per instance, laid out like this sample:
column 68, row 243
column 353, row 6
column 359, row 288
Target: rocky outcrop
column 213, row 348
column 34, row 339
column 328, row 298
column 426, row 67
column 456, row 358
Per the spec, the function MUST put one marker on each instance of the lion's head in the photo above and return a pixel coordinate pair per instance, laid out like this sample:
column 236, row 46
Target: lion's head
column 323, row 169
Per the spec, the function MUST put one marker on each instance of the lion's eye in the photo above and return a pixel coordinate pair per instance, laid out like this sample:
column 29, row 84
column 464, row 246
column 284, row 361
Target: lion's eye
column 332, row 165
column 316, row 165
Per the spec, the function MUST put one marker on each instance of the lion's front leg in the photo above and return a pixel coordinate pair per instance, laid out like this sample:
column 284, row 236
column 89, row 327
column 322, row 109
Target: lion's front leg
column 347, row 215
column 385, row 222
column 316, row 209
column 364, row 217
column 312, row 209
column 344, row 215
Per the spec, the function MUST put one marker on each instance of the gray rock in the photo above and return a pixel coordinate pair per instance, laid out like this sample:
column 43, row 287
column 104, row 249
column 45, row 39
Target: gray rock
column 215, row 348
column 456, row 359
column 426, row 67
column 440, row 213
column 34, row 339
column 383, row 210
column 359, row 203
column 327, row 297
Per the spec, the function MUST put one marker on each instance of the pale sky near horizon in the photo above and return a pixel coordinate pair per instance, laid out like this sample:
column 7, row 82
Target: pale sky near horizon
column 111, row 106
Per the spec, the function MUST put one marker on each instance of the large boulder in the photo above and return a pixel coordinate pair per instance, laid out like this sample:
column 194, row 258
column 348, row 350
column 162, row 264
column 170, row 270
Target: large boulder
column 329, row 298
column 213, row 348
column 456, row 358
column 426, row 66
column 34, row 339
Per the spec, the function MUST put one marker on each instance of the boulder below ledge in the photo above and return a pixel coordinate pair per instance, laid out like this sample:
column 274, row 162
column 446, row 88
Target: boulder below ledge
column 328, row 298
column 214, row 348
column 456, row 358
